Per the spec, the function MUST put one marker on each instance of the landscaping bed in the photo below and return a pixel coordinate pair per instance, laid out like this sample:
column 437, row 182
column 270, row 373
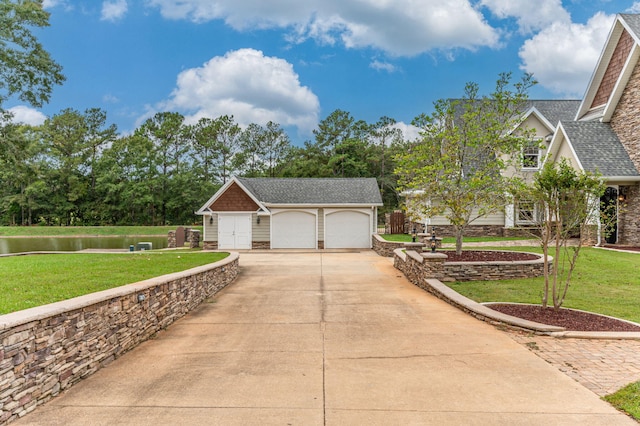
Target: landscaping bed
column 568, row 318
column 487, row 256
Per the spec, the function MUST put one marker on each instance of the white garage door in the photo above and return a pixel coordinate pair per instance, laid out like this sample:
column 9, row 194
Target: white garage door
column 347, row 229
column 293, row 229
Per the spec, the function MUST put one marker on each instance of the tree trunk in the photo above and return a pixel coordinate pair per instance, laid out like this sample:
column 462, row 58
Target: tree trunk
column 458, row 241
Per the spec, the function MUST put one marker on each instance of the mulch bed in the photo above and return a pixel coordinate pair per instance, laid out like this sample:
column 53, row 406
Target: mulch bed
column 625, row 248
column 487, row 256
column 567, row 318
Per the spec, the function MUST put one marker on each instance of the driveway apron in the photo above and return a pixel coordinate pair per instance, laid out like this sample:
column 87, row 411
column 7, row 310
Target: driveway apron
column 326, row 339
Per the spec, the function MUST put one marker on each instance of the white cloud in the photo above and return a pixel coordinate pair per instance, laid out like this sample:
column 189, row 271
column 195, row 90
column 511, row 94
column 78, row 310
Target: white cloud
column 110, row 99
column 48, row 4
column 635, row 8
column 383, row 66
column 248, row 85
column 398, row 27
column 113, row 10
column 25, row 115
column 530, row 15
column 563, row 56
column 409, row 131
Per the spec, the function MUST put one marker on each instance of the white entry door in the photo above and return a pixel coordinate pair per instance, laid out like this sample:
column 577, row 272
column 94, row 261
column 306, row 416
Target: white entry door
column 234, row 231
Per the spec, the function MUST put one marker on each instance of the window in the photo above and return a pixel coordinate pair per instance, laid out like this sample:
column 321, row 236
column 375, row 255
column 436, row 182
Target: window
column 531, row 156
column 525, row 212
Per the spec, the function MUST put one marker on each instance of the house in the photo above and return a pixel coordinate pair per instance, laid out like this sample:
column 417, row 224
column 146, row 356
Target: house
column 604, row 136
column 280, row 213
column 540, row 117
column 600, row 133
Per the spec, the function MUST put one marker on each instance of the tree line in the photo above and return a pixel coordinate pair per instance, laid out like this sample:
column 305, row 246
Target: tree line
column 76, row 169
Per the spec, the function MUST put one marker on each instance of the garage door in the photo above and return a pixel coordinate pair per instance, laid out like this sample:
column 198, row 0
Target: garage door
column 347, row 229
column 293, row 229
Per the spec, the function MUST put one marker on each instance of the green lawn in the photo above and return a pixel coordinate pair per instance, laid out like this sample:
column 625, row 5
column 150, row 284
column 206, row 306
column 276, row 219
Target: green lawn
column 604, row 281
column 28, row 281
column 55, row 231
column 406, row 238
column 627, row 399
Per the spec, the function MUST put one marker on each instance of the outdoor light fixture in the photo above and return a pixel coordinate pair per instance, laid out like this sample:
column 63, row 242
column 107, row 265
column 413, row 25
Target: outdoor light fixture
column 413, row 235
column 622, row 197
column 211, row 220
column 141, row 298
column 258, row 220
column 433, row 239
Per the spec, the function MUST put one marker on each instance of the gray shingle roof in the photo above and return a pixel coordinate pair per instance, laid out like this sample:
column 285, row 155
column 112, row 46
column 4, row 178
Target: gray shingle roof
column 598, row 148
column 553, row 110
column 317, row 191
column 556, row 110
column 633, row 21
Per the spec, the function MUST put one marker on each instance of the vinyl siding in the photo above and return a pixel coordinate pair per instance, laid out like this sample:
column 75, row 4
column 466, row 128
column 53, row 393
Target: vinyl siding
column 261, row 232
column 210, row 231
column 492, row 219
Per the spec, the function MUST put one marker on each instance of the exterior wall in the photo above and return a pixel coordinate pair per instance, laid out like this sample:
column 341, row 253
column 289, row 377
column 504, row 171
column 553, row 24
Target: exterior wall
column 234, row 199
column 470, row 231
column 497, row 218
column 610, row 78
column 320, row 227
column 46, row 350
column 629, row 218
column 261, row 232
column 210, row 245
column 625, row 121
column 564, row 151
column 210, row 231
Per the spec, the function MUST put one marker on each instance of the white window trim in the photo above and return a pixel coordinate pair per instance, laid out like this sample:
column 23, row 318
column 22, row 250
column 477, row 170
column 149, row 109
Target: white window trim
column 538, row 158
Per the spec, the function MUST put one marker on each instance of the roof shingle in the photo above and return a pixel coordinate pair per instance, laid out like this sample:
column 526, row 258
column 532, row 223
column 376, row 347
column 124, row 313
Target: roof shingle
column 314, row 191
column 598, row 148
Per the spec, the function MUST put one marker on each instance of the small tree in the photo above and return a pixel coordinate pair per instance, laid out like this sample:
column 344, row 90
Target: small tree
column 457, row 168
column 569, row 201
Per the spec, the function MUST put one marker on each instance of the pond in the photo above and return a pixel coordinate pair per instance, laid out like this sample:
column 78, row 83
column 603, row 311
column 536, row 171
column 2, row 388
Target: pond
column 21, row 245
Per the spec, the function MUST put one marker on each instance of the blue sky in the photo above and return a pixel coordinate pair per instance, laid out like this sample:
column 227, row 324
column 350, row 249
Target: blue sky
column 295, row 61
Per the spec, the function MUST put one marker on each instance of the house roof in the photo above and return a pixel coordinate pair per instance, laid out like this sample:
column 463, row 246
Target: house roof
column 314, row 191
column 598, row 148
column 633, row 23
column 555, row 110
column 624, row 22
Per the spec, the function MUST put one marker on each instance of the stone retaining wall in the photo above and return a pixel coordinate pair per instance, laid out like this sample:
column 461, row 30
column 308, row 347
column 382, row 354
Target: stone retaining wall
column 47, row 349
column 418, row 266
column 383, row 247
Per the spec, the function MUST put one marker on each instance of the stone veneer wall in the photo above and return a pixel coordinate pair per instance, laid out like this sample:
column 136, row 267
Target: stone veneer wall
column 625, row 123
column 419, row 266
column 209, row 245
column 45, row 350
column 629, row 220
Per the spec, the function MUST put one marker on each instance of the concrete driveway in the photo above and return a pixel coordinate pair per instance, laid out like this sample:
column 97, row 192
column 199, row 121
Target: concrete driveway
column 327, row 338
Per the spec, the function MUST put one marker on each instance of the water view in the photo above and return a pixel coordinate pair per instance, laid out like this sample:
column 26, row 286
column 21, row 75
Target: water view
column 21, row 245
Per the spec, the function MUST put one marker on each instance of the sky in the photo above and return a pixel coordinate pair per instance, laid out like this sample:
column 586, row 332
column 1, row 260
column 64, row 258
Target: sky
column 295, row 61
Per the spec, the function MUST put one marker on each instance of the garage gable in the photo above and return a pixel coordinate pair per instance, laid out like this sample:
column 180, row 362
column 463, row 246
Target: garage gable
column 234, row 199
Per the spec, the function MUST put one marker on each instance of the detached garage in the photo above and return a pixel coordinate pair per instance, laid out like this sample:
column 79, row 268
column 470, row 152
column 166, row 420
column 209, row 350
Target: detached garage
column 291, row 214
